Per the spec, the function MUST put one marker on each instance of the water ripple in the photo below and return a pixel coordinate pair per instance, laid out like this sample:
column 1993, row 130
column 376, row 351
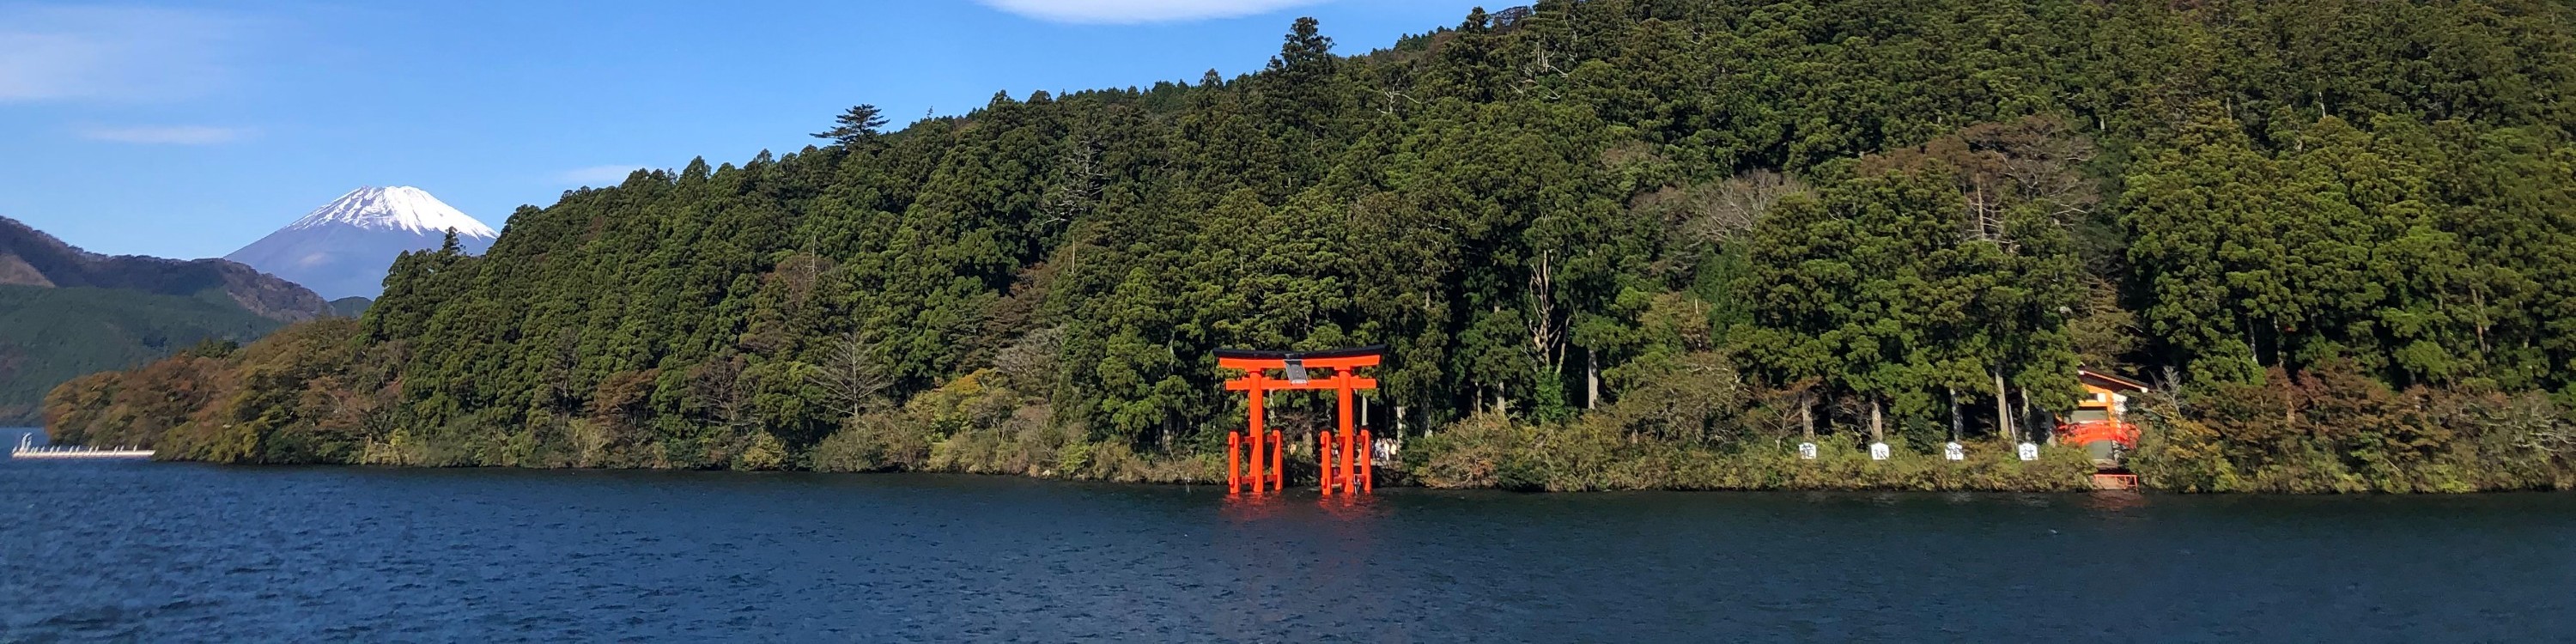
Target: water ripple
column 158, row 552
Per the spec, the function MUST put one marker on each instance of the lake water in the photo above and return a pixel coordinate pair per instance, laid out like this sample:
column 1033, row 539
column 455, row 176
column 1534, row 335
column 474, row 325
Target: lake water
column 124, row 550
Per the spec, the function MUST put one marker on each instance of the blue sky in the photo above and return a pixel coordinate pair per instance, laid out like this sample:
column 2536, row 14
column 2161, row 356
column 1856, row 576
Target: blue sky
column 188, row 129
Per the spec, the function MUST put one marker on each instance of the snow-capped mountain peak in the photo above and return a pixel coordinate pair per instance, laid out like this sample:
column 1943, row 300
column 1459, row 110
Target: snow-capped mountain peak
column 403, row 208
column 345, row 247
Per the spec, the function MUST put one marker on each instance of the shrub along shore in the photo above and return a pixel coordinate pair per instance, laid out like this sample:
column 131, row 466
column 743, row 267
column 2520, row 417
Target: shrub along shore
column 2333, row 431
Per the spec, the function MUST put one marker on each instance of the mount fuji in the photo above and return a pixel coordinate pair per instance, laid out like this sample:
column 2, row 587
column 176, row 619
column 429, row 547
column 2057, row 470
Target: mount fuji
column 343, row 248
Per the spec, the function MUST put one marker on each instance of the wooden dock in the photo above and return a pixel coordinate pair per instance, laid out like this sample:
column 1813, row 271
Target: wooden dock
column 28, row 449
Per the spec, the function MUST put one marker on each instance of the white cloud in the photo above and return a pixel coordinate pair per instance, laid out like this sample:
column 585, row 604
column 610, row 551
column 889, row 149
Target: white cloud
column 166, row 134
column 114, row 53
column 598, row 175
column 1136, row 11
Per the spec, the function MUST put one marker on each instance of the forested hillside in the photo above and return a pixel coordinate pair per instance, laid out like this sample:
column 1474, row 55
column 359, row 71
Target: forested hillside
column 66, row 312
column 51, row 335
column 29, row 257
column 1613, row 243
column 350, row 307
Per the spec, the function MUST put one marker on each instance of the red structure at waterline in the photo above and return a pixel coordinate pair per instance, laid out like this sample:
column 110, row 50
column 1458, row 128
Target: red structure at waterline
column 1342, row 454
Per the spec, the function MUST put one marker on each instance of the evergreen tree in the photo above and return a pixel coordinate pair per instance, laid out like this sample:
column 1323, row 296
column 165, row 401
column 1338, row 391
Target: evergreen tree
column 855, row 128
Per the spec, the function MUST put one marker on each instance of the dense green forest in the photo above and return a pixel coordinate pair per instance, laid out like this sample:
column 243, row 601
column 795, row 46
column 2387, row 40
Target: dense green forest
column 1610, row 244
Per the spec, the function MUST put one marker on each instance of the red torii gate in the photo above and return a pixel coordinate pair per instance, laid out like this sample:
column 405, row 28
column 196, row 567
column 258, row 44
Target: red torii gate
column 1336, row 453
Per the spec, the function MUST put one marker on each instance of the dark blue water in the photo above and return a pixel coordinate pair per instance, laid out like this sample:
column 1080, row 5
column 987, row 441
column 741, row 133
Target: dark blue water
column 163, row 552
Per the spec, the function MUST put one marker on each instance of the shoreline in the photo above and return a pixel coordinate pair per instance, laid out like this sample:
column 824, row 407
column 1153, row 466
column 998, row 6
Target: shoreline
column 1309, row 489
column 1394, row 483
column 1511, row 457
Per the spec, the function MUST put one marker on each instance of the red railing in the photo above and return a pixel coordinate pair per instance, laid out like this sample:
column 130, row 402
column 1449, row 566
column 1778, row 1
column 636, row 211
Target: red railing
column 2085, row 432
